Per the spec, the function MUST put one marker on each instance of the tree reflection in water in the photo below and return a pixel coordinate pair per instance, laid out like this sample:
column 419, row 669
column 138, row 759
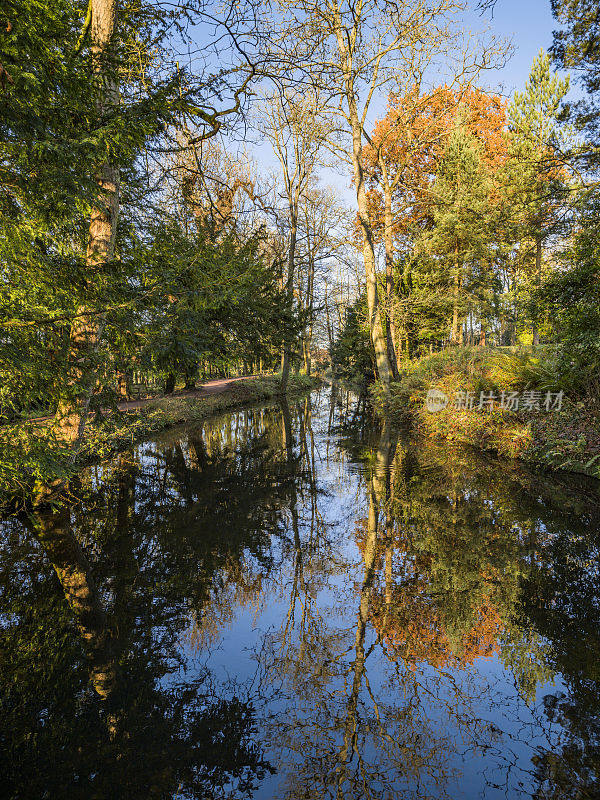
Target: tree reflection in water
column 293, row 602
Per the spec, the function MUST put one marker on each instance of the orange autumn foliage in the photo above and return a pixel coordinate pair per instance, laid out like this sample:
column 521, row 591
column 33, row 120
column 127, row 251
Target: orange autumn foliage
column 412, row 631
column 411, row 139
column 409, row 618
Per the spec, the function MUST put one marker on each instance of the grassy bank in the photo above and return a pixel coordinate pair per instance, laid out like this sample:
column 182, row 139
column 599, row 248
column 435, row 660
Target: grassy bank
column 32, row 458
column 560, row 439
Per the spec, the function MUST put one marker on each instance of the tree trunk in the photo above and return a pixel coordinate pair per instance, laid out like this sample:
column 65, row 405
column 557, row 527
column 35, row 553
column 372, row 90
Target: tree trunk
column 122, row 385
column 389, row 267
column 310, row 306
column 87, row 328
column 170, row 383
column 289, row 290
column 330, row 337
column 538, row 277
column 455, row 326
column 375, row 325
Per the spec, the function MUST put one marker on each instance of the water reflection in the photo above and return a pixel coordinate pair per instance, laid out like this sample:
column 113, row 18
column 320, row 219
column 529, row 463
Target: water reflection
column 293, row 602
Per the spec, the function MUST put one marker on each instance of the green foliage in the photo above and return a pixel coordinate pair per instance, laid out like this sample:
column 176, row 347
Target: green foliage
column 574, row 296
column 451, row 254
column 55, row 136
column 461, row 196
column 352, row 355
column 170, row 299
column 562, row 439
column 533, row 114
column 212, row 298
column 576, row 46
column 535, row 185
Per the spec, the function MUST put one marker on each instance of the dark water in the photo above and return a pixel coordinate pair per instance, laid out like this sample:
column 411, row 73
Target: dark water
column 295, row 603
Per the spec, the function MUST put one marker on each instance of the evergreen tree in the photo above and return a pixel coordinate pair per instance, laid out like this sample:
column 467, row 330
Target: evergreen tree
column 216, row 300
column 535, row 182
column 352, row 355
column 577, row 47
column 459, row 236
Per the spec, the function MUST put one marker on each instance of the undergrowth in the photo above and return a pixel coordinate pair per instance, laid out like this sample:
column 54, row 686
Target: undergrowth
column 564, row 439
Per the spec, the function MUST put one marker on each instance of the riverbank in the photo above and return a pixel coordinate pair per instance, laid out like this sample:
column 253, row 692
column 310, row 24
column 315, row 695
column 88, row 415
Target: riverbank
column 32, row 458
column 545, row 429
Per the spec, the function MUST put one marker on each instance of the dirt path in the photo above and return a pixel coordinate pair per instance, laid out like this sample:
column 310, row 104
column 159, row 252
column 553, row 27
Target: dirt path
column 205, row 389
column 211, row 387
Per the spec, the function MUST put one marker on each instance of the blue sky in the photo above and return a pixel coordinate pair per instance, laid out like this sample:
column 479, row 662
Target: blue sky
column 529, row 24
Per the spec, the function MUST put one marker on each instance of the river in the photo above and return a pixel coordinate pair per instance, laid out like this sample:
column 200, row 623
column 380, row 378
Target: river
column 299, row 602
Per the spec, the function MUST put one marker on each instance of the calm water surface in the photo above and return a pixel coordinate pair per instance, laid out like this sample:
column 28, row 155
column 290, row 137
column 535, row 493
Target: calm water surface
column 293, row 602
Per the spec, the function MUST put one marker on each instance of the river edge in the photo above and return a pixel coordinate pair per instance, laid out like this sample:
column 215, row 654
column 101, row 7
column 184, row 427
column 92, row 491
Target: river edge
column 33, row 463
column 563, row 441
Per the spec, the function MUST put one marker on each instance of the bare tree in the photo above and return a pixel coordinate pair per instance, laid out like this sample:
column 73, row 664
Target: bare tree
column 294, row 128
column 353, row 51
column 321, row 243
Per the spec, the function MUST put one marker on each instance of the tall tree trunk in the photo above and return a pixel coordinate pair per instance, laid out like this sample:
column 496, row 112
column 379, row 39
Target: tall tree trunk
column 309, row 306
column 170, row 383
column 87, row 329
column 289, row 290
column 375, row 325
column 538, row 277
column 122, row 384
column 456, row 295
column 356, row 128
column 330, row 337
column 389, row 267
column 515, row 309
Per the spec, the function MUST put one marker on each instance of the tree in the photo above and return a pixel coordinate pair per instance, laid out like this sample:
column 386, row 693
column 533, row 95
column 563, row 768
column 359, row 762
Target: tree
column 321, row 245
column 352, row 51
column 575, row 47
column 51, row 139
column 457, row 239
column 86, row 328
column 296, row 133
column 84, row 134
column 351, row 354
column 573, row 293
column 407, row 146
column 219, row 300
column 535, row 182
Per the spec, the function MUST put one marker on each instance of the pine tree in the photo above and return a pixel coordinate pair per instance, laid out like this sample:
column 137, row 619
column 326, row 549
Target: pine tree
column 577, row 47
column 535, row 180
column 459, row 237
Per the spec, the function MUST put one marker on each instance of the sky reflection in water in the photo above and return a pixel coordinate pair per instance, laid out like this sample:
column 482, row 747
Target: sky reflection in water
column 298, row 603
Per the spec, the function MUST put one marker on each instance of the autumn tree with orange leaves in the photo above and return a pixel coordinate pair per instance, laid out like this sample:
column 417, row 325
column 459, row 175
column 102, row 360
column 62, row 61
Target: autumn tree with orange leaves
column 466, row 193
column 406, row 152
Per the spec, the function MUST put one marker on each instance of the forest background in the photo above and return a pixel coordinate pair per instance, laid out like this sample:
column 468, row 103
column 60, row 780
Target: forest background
column 406, row 209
